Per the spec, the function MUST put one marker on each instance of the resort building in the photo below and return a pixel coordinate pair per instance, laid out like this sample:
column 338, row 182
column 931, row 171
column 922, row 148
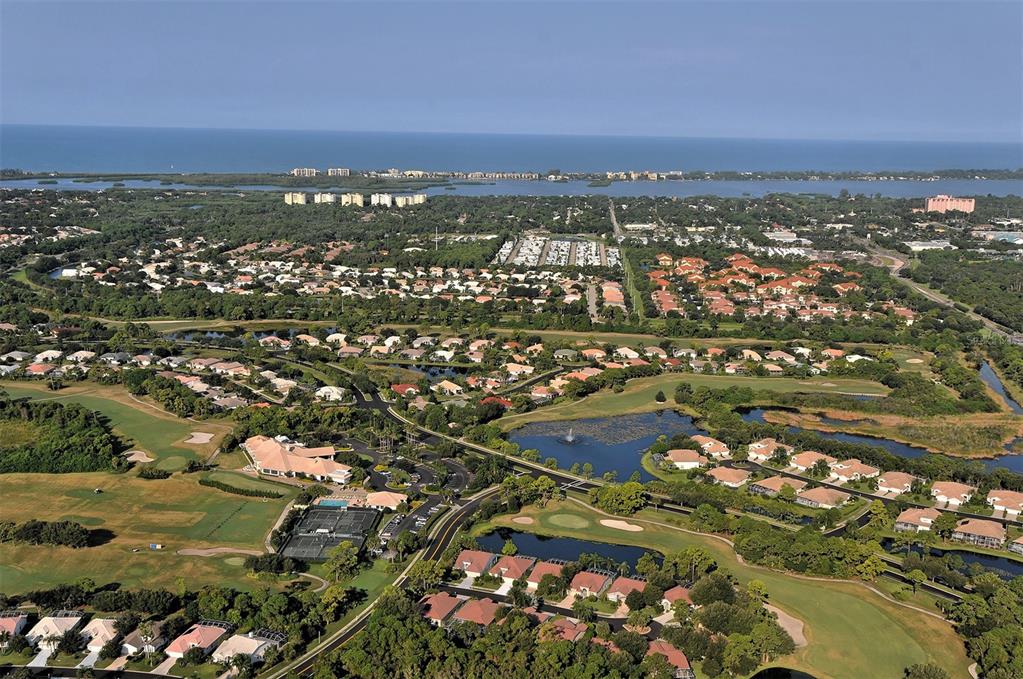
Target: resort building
column 942, row 203
column 281, row 457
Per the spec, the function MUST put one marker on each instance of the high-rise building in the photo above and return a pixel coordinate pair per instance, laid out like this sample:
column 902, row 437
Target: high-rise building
column 381, row 199
column 339, row 172
column 304, row 172
column 943, row 203
column 294, row 198
column 325, row 198
column 352, row 199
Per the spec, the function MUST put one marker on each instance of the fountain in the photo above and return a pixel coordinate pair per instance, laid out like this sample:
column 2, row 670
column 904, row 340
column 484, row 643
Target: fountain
column 569, row 437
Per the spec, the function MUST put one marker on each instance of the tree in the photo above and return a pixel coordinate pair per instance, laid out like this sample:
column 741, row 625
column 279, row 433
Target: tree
column 509, row 548
column 336, row 601
column 425, row 573
column 925, row 671
column 342, row 561
column 945, row 524
column 660, row 397
column 916, row 578
column 585, row 610
column 757, row 590
column 871, row 567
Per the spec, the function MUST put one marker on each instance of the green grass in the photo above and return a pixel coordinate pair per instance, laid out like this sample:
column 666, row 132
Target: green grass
column 852, row 631
column 639, row 395
column 176, row 512
column 14, row 433
column 144, row 426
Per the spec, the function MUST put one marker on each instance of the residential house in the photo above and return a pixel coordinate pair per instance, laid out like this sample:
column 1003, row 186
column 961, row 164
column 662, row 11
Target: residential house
column 1008, row 502
column 852, row 470
column 895, row 483
column 675, row 658
column 916, row 520
column 46, row 634
column 586, row 583
column 474, row 562
column 405, row 389
column 764, row 449
column 202, row 635
column 732, row 478
column 1016, row 546
column 822, row 498
column 385, row 500
column 136, row 643
column 980, row 532
column 684, row 458
column 952, row 493
column 12, row 623
column 805, row 461
column 478, row 611
column 254, row 645
column 623, row 587
column 438, row 607
column 97, row 632
column 541, row 569
column 447, row 387
column 329, row 393
column 511, row 568
column 712, row 446
column 676, row 593
column 772, row 486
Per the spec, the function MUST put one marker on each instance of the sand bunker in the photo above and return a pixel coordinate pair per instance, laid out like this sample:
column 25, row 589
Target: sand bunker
column 621, row 525
column 199, row 438
column 524, row 520
column 792, row 625
column 914, row 361
column 138, row 456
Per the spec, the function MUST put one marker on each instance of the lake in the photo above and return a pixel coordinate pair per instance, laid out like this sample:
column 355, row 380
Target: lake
column 566, row 549
column 662, row 189
column 608, row 443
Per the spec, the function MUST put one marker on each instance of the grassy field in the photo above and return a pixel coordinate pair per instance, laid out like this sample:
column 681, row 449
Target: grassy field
column 15, row 433
column 852, row 631
column 144, row 425
column 176, row 512
column 639, row 395
column 977, row 434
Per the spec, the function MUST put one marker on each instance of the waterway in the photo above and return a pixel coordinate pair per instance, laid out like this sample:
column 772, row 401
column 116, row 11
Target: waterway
column 990, row 377
column 1004, row 567
column 662, row 189
column 566, row 549
column 608, row 443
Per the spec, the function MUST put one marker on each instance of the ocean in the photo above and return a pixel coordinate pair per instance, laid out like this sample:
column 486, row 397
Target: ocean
column 134, row 149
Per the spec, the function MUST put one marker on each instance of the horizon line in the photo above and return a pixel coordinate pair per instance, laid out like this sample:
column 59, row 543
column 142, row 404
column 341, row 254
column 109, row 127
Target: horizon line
column 1014, row 142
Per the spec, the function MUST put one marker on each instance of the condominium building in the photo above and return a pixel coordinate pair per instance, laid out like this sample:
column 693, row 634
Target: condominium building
column 304, row 172
column 339, row 172
column 943, row 203
column 381, row 199
column 294, row 198
column 352, row 199
column 325, row 198
column 406, row 201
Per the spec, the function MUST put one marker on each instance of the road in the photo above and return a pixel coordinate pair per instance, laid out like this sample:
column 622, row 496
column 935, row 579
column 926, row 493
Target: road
column 619, row 234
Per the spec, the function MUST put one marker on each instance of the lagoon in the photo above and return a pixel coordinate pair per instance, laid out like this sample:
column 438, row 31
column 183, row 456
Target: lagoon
column 565, row 549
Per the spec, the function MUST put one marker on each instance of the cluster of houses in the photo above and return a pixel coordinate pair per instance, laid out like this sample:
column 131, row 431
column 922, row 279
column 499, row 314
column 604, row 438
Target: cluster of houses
column 213, row 638
column 445, row 608
column 745, row 286
column 1006, row 504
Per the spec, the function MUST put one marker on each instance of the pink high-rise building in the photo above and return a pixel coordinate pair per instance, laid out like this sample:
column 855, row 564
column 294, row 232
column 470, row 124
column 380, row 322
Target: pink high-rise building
column 943, row 203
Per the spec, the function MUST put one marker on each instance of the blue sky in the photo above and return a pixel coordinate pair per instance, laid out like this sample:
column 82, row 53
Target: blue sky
column 901, row 70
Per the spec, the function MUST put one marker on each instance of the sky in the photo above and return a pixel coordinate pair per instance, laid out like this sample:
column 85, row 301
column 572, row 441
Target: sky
column 898, row 70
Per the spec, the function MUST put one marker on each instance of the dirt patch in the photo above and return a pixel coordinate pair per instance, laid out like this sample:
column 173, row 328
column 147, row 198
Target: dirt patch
column 792, row 625
column 138, row 456
column 199, row 438
column 621, row 525
column 214, row 551
column 524, row 520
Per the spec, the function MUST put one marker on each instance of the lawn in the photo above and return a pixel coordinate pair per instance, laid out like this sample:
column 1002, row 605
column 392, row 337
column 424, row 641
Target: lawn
column 14, row 433
column 852, row 631
column 142, row 424
column 176, row 512
column 639, row 395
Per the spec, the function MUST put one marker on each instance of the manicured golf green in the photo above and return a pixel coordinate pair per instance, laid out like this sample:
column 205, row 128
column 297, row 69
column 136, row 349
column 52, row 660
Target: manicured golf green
column 144, row 425
column 640, row 394
column 852, row 631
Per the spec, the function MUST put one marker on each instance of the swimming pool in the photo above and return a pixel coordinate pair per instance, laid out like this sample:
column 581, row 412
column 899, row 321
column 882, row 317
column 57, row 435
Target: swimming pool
column 333, row 503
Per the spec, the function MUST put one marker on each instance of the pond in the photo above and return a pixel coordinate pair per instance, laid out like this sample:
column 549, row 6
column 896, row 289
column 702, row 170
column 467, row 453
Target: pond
column 1002, row 566
column 781, row 673
column 1013, row 463
column 608, row 443
column 566, row 549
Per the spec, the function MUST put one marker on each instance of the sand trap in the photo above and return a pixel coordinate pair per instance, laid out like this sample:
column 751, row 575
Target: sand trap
column 199, row 438
column 914, row 361
column 621, row 525
column 138, row 456
column 792, row 625
column 524, row 520
column 827, row 384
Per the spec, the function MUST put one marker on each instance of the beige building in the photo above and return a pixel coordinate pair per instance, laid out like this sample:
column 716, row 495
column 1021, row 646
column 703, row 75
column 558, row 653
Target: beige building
column 352, row 199
column 339, row 172
column 407, row 201
column 304, row 172
column 943, row 203
column 381, row 199
column 325, row 198
column 294, row 198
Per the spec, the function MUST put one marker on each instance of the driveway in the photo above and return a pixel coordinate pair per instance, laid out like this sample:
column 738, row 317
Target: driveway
column 89, row 660
column 40, row 660
column 164, row 667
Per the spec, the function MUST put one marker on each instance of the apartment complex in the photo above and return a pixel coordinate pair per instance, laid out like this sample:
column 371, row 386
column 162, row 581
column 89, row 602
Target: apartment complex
column 304, row 172
column 942, row 203
column 339, row 172
column 294, row 198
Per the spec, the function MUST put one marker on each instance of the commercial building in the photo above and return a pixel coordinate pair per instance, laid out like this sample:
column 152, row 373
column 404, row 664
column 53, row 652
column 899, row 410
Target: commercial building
column 942, row 203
